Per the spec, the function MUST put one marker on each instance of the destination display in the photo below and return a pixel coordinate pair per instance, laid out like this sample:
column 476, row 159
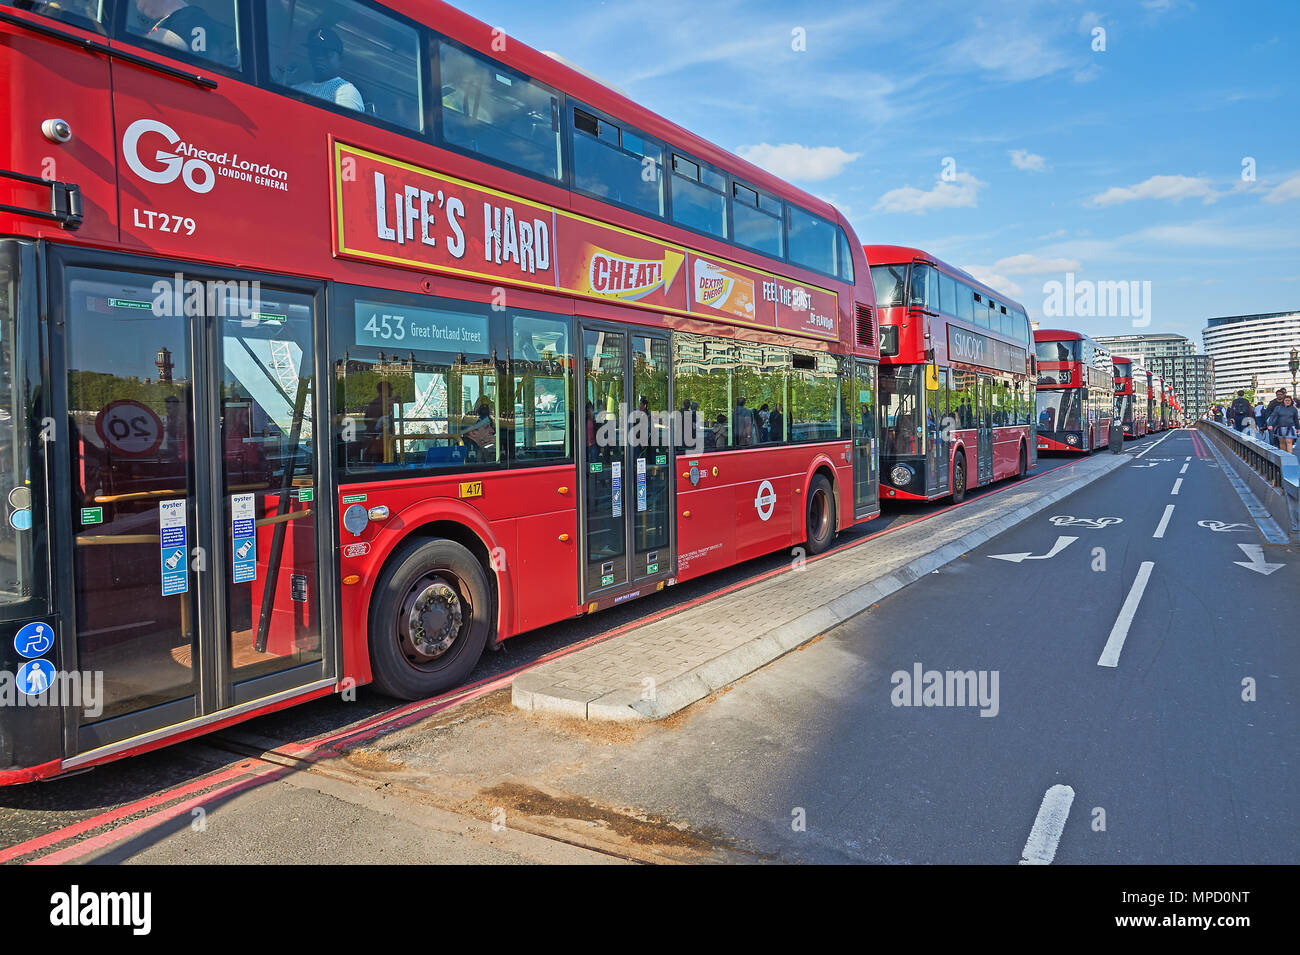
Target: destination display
column 976, row 349
column 395, row 212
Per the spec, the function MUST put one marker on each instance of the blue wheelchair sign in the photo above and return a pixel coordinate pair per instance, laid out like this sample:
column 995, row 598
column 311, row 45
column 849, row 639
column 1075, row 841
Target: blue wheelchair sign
column 34, row 640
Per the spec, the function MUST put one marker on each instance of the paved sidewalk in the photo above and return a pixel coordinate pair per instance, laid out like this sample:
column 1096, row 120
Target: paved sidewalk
column 653, row 671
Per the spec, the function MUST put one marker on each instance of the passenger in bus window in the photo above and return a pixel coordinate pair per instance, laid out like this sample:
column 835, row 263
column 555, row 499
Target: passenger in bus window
column 325, row 55
column 187, row 27
column 776, row 424
column 743, row 420
column 717, row 435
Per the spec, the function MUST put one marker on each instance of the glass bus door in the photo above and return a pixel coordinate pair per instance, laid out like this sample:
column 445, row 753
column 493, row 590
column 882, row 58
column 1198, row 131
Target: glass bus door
column 627, row 459
column 940, row 428
column 984, row 428
column 866, row 480
column 195, row 583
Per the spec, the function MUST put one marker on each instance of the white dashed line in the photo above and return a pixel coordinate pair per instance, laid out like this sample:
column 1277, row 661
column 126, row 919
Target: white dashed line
column 1183, row 469
column 1119, row 632
column 1153, row 445
column 1164, row 521
column 1040, row 848
column 1177, row 484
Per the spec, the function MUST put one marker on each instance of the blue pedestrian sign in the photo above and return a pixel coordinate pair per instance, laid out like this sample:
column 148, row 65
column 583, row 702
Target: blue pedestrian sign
column 34, row 640
column 35, row 677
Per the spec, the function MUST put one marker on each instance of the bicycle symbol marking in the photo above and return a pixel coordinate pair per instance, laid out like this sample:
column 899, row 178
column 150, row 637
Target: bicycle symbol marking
column 1221, row 527
column 1096, row 523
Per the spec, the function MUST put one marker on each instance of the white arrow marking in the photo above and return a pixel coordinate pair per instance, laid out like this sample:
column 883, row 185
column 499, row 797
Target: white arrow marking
column 1060, row 545
column 1256, row 563
column 1144, row 464
column 1040, row 847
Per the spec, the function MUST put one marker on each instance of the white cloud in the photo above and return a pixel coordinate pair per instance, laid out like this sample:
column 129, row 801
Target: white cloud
column 1052, row 235
column 999, row 283
column 1026, row 264
column 1284, row 191
column 796, row 161
column 960, row 192
column 1011, row 50
column 1024, row 159
column 1176, row 188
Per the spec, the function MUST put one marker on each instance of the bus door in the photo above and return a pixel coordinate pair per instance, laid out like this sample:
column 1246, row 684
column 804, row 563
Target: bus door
column 939, row 442
column 194, row 520
column 627, row 459
column 866, row 481
column 984, row 428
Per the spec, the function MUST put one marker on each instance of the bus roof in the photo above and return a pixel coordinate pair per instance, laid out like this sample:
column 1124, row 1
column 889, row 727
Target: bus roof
column 1057, row 335
column 474, row 33
column 897, row 254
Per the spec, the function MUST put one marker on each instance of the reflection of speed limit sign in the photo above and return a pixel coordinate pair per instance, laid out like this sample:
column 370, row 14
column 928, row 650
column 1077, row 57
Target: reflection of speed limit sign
column 129, row 427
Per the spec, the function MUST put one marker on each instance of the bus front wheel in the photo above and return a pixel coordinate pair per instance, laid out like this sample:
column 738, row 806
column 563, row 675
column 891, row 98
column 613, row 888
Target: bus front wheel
column 1024, row 464
column 958, row 481
column 431, row 618
column 820, row 520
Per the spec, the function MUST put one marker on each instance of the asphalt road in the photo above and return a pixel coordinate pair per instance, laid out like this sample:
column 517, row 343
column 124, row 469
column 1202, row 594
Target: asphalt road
column 1167, row 761
column 811, row 760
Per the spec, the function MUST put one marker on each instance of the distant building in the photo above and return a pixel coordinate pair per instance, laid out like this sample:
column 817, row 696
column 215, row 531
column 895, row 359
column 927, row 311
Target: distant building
column 1173, row 358
column 1252, row 350
column 1149, row 346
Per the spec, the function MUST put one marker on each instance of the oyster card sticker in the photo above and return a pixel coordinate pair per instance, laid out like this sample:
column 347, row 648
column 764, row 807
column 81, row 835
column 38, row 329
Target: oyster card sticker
column 173, row 539
column 243, row 538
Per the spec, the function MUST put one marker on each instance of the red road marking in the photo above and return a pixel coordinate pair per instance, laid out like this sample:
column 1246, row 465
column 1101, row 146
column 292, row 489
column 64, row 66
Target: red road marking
column 330, row 745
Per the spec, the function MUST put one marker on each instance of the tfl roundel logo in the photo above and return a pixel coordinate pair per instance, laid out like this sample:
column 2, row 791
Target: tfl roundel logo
column 765, row 500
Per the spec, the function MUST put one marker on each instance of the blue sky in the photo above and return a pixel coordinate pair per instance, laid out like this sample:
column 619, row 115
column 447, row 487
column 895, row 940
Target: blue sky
column 1118, row 164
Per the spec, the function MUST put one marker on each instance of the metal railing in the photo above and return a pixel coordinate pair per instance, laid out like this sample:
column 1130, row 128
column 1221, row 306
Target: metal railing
column 1280, row 469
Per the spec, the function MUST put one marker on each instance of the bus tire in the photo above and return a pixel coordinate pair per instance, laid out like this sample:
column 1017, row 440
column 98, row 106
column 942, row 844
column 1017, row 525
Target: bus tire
column 959, row 478
column 431, row 617
column 819, row 518
column 1024, row 464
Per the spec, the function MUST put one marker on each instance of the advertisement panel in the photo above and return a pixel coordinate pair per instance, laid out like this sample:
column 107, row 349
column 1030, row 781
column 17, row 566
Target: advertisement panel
column 399, row 213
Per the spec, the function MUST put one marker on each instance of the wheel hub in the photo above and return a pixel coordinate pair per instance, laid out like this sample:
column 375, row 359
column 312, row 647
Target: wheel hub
column 432, row 619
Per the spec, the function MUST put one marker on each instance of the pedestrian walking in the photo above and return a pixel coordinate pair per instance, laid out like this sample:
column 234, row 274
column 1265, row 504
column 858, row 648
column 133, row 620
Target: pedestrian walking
column 1241, row 410
column 1285, row 423
column 1270, row 408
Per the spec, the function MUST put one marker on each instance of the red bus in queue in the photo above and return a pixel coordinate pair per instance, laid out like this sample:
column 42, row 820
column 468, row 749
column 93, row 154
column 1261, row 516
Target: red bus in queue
column 1159, row 400
column 1076, row 388
column 1153, row 402
column 956, row 393
column 349, row 376
column 1130, row 402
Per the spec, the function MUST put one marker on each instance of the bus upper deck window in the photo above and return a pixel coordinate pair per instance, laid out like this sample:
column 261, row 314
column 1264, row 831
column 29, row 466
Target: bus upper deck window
column 210, row 31
column 350, row 56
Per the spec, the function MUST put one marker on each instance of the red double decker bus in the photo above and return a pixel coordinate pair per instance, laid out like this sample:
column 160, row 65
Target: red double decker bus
column 1076, row 387
column 956, row 392
column 343, row 341
column 1130, row 401
column 1159, row 403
